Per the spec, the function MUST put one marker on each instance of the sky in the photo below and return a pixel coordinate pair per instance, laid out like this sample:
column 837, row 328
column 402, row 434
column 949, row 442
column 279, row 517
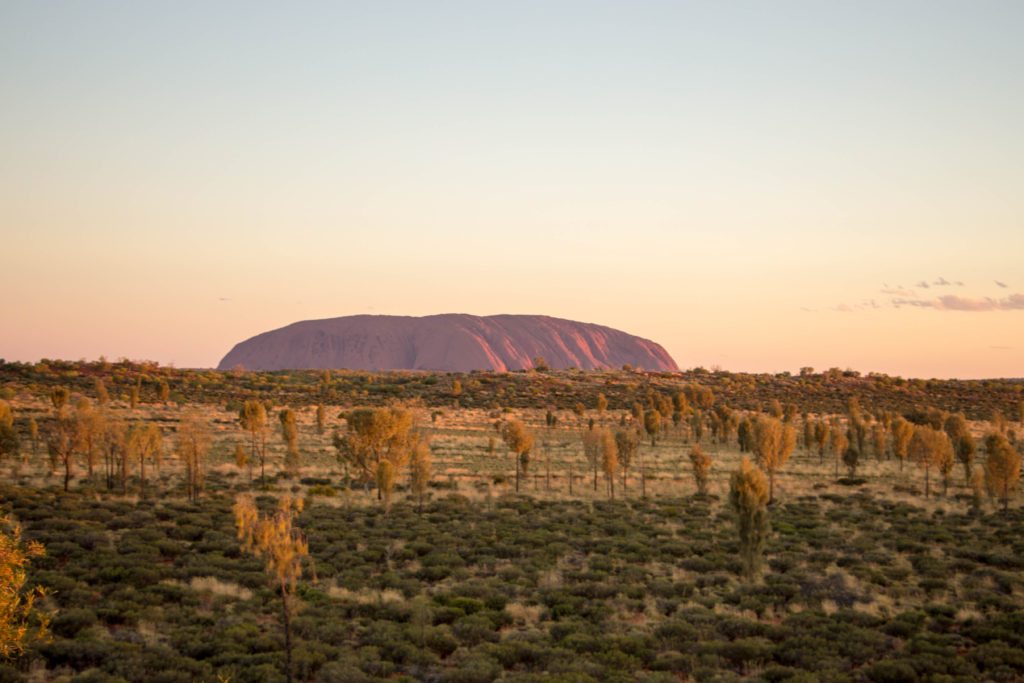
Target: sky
column 756, row 186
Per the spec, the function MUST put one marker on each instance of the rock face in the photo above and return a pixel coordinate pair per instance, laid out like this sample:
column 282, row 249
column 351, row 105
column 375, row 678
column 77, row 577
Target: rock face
column 450, row 342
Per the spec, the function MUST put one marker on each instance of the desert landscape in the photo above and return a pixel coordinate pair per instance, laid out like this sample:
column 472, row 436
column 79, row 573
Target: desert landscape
column 541, row 524
column 571, row 341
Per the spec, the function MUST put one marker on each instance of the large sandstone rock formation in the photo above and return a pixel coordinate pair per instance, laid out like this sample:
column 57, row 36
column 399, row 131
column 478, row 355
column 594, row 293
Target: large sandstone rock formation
column 451, row 342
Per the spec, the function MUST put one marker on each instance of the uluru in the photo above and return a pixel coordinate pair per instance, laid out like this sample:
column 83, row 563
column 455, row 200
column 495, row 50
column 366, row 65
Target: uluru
column 451, row 342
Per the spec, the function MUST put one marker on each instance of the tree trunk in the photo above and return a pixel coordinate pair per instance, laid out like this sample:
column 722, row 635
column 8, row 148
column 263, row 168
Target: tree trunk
column 142, row 476
column 771, row 487
column 287, row 632
column 516, row 456
column 547, row 466
column 67, row 472
column 927, row 471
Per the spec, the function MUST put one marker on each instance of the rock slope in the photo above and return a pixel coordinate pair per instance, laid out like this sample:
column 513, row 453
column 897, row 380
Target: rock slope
column 449, row 342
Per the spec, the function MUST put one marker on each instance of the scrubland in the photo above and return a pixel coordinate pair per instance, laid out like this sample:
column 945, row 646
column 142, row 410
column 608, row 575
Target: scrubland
column 861, row 575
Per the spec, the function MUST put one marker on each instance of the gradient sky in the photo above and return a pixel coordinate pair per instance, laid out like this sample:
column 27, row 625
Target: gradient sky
column 755, row 185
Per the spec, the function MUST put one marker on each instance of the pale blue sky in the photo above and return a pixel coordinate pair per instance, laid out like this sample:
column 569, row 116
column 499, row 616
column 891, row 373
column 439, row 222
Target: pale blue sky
column 696, row 173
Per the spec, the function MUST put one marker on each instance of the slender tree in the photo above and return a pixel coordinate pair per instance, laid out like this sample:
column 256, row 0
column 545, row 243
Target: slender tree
column 421, row 470
column 192, row 444
column 931, row 450
column 519, row 439
column 1002, row 468
column 822, row 433
column 748, row 497
column 902, row 433
column 10, row 444
column 652, row 424
column 609, row 458
column 321, row 419
column 144, row 444
column 840, row 443
column 879, row 440
column 102, row 395
column 277, row 540
column 253, row 418
column 626, row 442
column 60, row 439
column 592, row 452
column 773, row 444
column 115, row 453
column 33, row 434
column 290, row 435
column 700, row 464
column 21, row 624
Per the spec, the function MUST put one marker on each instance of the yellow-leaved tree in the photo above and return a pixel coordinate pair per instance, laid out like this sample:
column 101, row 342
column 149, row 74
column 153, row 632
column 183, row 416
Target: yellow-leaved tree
column 276, row 540
column 20, row 622
column 519, row 439
column 773, row 444
column 748, row 496
column 1002, row 468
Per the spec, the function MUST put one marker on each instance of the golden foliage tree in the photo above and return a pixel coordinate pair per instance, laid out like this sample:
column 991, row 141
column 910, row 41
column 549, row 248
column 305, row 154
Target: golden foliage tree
column 253, row 418
column 192, row 444
column 627, row 442
column 519, row 439
column 879, row 440
column 114, row 443
column 280, row 544
column 592, row 452
column 102, row 395
column 60, row 443
column 902, row 433
column 145, row 444
column 1002, row 468
column 10, row 444
column 374, row 436
column 241, row 456
column 839, row 442
column 822, row 432
column 290, row 434
column 609, row 458
column 421, row 470
column 700, row 465
column 20, row 622
column 931, row 450
column 773, row 444
column 748, row 497
column 652, row 423
column 89, row 426
column 321, row 419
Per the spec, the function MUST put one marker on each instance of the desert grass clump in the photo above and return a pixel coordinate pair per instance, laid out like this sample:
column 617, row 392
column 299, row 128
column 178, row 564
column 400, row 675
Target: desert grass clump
column 748, row 496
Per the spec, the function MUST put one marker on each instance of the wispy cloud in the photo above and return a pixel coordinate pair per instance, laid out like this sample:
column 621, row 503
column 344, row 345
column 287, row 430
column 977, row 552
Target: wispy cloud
column 952, row 302
column 922, row 285
column 898, row 290
column 1001, row 284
